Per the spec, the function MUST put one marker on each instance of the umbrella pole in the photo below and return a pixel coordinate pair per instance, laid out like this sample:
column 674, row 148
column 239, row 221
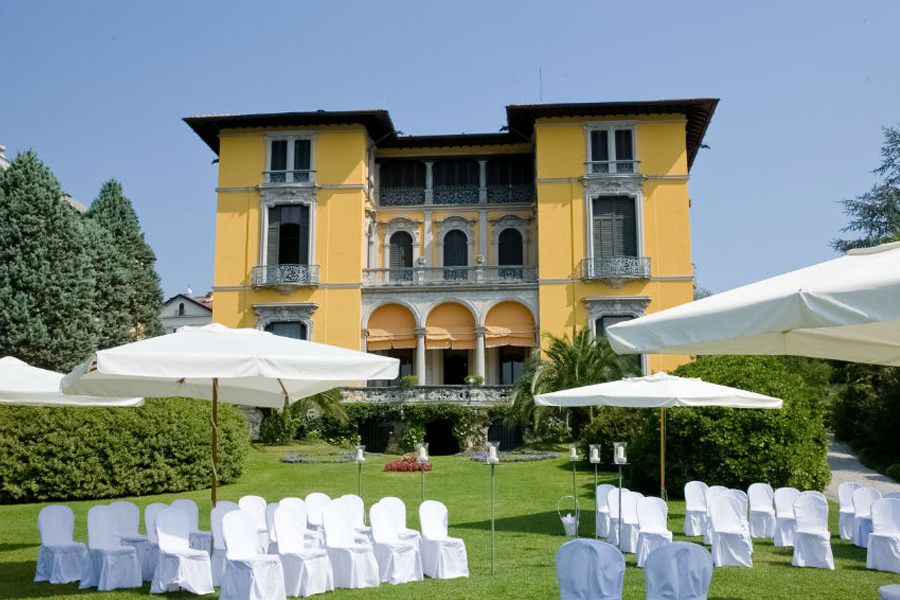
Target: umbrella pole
column 662, row 453
column 215, row 438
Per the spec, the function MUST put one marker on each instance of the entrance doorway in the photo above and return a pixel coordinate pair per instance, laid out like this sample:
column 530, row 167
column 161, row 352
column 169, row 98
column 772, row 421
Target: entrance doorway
column 456, row 367
column 440, row 438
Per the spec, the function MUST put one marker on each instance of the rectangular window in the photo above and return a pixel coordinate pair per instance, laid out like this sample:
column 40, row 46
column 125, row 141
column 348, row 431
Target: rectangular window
column 612, row 151
column 512, row 359
column 288, row 232
column 609, row 321
column 291, row 329
column 614, row 227
column 290, row 160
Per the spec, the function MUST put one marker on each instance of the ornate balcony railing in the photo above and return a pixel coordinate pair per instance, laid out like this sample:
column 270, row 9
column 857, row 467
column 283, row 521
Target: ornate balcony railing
column 483, row 395
column 429, row 276
column 612, row 167
column 616, row 269
column 292, row 176
column 285, row 276
column 456, row 194
column 401, row 196
column 510, row 193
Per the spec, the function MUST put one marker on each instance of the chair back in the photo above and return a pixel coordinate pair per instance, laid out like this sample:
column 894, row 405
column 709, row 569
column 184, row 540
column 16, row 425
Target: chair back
column 725, row 513
column 433, row 519
column 398, row 509
column 189, row 507
column 712, row 492
column 289, row 523
column 811, row 512
column 293, row 501
column 629, row 507
column 845, row 495
column 128, row 516
column 355, row 509
column 315, row 504
column 762, row 497
column 338, row 529
column 56, row 524
column 863, row 497
column 589, row 569
column 150, row 514
column 894, row 495
column 103, row 527
column 384, row 523
column 603, row 491
column 255, row 507
column 742, row 497
column 695, row 496
column 239, row 532
column 652, row 514
column 886, row 516
column 784, row 501
column 223, row 507
column 612, row 499
column 678, row 571
column 173, row 529
column 270, row 521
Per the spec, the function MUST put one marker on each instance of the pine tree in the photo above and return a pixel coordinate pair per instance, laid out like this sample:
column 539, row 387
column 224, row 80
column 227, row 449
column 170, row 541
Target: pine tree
column 112, row 291
column 46, row 279
column 139, row 294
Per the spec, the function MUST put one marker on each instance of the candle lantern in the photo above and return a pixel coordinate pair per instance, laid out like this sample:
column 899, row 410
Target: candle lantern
column 422, row 459
column 619, row 456
column 594, row 455
column 573, row 456
column 359, row 459
column 573, row 452
column 493, row 459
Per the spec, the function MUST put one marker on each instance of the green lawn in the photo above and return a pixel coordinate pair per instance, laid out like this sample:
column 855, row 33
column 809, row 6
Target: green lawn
column 528, row 533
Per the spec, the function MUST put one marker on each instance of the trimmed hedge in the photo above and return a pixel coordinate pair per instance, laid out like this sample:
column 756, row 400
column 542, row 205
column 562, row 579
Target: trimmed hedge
column 735, row 447
column 91, row 453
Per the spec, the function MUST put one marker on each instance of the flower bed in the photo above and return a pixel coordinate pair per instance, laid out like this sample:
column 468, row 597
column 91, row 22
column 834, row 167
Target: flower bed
column 340, row 456
column 407, row 464
column 513, row 455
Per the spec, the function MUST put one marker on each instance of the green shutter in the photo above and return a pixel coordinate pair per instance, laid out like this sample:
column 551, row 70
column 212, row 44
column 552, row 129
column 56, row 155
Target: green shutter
column 272, row 235
column 456, row 249
column 301, row 155
column 614, row 226
column 304, row 235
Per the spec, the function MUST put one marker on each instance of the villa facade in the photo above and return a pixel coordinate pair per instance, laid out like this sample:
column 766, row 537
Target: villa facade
column 454, row 253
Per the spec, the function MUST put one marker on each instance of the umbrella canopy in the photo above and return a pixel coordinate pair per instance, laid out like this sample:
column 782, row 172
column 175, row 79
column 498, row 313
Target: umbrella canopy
column 844, row 309
column 24, row 385
column 659, row 390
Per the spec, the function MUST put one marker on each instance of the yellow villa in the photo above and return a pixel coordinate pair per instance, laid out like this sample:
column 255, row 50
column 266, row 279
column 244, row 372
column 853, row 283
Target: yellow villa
column 454, row 253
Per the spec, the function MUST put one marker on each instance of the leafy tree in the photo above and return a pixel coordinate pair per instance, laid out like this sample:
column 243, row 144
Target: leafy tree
column 46, row 279
column 139, row 293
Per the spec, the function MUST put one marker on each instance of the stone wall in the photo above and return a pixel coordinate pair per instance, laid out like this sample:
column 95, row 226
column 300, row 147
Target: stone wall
column 475, row 396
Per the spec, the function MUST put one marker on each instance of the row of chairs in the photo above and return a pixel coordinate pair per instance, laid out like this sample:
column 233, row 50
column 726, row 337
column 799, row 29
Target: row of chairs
column 873, row 522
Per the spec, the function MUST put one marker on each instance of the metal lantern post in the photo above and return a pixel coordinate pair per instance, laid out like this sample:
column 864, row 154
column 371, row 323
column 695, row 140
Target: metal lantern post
column 621, row 459
column 573, row 456
column 493, row 459
column 595, row 460
column 360, row 459
column 422, row 459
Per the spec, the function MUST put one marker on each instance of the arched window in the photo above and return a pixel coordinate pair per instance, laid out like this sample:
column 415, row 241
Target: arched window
column 401, row 256
column 510, row 254
column 456, row 254
column 181, row 309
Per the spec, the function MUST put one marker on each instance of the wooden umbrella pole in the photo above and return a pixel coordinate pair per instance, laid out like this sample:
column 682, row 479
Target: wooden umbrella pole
column 215, row 438
column 662, row 453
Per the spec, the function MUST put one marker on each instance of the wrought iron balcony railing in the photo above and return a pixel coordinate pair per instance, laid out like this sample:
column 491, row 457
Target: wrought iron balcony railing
column 616, row 268
column 612, row 167
column 285, row 276
column 293, row 176
column 510, row 193
column 456, row 194
column 401, row 196
column 428, row 276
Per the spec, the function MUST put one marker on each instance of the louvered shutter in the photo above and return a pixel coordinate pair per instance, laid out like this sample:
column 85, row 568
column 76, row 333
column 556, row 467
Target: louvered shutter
column 303, row 251
column 614, row 226
column 272, row 235
column 510, row 251
column 301, row 155
column 278, row 156
column 456, row 251
column 599, row 145
column 401, row 250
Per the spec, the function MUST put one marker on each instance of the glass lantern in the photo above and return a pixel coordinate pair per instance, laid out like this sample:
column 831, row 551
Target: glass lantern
column 595, row 454
column 493, row 457
column 422, row 452
column 573, row 453
column 619, row 455
column 360, row 454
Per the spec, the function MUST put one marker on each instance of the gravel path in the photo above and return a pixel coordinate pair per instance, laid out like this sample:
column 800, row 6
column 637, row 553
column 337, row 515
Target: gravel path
column 846, row 467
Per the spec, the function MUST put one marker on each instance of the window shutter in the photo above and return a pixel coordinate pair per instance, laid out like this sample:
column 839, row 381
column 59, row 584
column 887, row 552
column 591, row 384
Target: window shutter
column 301, row 155
column 510, row 251
column 456, row 251
column 304, row 235
column 614, row 226
column 278, row 156
column 599, row 145
column 272, row 235
column 401, row 250
column 624, row 145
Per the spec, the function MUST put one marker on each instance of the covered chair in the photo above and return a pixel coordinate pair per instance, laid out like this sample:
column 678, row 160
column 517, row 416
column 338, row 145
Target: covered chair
column 110, row 565
column 60, row 557
column 863, row 498
column 201, row 540
column 271, row 507
column 443, row 557
column 315, row 504
column 612, row 498
column 398, row 509
column 249, row 574
column 602, row 514
column 219, row 553
column 151, row 512
column 307, row 570
column 652, row 514
column 180, row 566
column 589, row 570
column 398, row 559
column 762, row 510
column 353, row 563
column 731, row 544
column 128, row 516
column 678, row 571
column 695, row 518
column 312, row 537
column 812, row 540
column 785, row 522
column 355, row 510
column 846, row 515
column 884, row 541
column 630, row 529
column 255, row 507
column 712, row 491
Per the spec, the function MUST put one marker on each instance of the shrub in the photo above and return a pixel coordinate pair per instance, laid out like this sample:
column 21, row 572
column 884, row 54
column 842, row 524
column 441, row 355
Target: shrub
column 278, row 427
column 736, row 447
column 82, row 453
column 893, row 472
column 612, row 424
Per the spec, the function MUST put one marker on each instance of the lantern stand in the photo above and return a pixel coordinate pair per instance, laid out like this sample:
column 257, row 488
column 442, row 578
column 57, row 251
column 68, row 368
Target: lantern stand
column 422, row 459
column 493, row 460
column 360, row 459
column 573, row 456
column 595, row 460
column 621, row 459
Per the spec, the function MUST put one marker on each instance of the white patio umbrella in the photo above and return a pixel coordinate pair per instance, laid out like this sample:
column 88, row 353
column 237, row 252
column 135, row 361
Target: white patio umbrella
column 661, row 391
column 844, row 309
column 24, row 385
column 238, row 366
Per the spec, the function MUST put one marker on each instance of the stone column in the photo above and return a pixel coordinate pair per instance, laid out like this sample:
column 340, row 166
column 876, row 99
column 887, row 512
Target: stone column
column 429, row 182
column 420, row 355
column 482, row 181
column 479, row 351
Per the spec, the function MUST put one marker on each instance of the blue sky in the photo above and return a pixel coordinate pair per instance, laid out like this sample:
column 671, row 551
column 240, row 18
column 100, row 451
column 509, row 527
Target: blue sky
column 98, row 89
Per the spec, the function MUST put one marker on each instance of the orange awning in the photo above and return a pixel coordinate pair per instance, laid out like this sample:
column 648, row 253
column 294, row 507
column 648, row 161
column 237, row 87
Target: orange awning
column 509, row 324
column 450, row 326
column 391, row 326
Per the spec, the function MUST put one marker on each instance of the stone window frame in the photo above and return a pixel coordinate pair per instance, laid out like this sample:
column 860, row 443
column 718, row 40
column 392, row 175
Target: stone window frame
column 292, row 312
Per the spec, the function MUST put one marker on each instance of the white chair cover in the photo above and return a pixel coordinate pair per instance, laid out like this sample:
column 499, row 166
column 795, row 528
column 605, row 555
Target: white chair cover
column 863, row 498
column 128, row 516
column 712, row 491
column 355, row 510
column 270, row 527
column 889, row 592
column 744, row 499
column 313, row 538
column 602, row 514
column 812, row 540
column 151, row 512
column 846, row 516
column 249, row 575
column 200, row 540
column 109, row 565
column 223, row 507
column 630, row 530
column 589, row 570
column 443, row 557
column 307, row 570
column 315, row 504
column 731, row 544
column 255, row 507
column 894, row 495
column 762, row 510
column 398, row 508
column 612, row 499
column 354, row 564
column 180, row 566
column 398, row 560
column 60, row 558
column 695, row 519
column 652, row 514
column 884, row 541
column 678, row 571
column 785, row 522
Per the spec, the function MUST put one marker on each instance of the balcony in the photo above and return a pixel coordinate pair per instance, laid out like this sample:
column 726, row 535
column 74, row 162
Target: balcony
column 436, row 276
column 305, row 176
column 285, row 276
column 402, row 196
column 612, row 167
column 616, row 270
column 507, row 194
column 456, row 194
column 480, row 396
